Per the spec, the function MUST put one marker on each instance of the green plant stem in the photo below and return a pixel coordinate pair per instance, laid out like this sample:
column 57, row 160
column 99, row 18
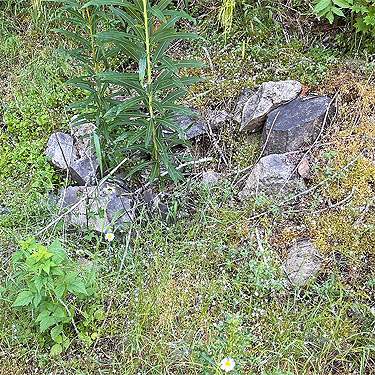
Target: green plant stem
column 149, row 81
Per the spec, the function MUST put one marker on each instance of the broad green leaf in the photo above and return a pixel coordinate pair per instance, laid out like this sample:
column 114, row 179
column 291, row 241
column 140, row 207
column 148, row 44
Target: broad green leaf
column 341, row 3
column 60, row 290
column 47, row 266
column 37, row 300
column 56, row 350
column 55, row 331
column 77, row 286
column 322, row 4
column 46, row 322
column 330, row 17
column 338, row 11
column 39, row 282
column 23, row 299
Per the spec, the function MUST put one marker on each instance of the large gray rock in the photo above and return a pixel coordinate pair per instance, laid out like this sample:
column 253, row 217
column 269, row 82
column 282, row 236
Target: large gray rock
column 60, row 150
column 295, row 124
column 303, row 262
column 64, row 155
column 102, row 208
column 273, row 174
column 269, row 96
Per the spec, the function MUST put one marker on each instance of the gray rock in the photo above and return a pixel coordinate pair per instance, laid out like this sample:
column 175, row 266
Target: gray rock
column 195, row 126
column 273, row 174
column 269, row 96
column 82, row 134
column 64, row 155
column 242, row 99
column 83, row 170
column 60, row 150
column 295, row 124
column 210, row 177
column 102, row 208
column 303, row 262
column 156, row 206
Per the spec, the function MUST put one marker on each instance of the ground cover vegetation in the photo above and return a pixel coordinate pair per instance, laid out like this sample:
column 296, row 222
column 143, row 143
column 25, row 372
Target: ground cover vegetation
column 208, row 287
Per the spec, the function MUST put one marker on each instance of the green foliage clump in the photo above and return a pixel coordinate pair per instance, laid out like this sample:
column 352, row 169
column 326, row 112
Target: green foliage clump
column 362, row 12
column 141, row 123
column 51, row 288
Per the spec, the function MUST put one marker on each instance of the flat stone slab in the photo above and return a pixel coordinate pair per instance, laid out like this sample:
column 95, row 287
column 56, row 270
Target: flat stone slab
column 273, row 174
column 295, row 124
column 105, row 207
column 269, row 96
column 303, row 262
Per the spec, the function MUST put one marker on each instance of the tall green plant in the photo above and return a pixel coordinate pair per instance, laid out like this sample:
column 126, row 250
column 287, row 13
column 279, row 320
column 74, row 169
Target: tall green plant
column 134, row 112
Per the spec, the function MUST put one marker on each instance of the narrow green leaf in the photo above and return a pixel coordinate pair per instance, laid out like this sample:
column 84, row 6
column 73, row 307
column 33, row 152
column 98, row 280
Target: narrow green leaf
column 98, row 151
column 158, row 13
column 338, row 11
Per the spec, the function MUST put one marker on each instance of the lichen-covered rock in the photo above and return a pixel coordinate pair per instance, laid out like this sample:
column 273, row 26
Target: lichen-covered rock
column 303, row 262
column 273, row 174
column 269, row 96
column 295, row 124
column 101, row 208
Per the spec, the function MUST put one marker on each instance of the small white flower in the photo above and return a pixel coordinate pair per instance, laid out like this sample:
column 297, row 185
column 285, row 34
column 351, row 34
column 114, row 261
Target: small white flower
column 227, row 364
column 109, row 236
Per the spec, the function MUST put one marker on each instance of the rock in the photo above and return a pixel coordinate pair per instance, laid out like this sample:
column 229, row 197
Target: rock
column 83, row 170
column 304, row 169
column 195, row 126
column 303, row 262
column 273, row 174
column 64, row 155
column 244, row 96
column 101, row 208
column 60, row 150
column 82, row 133
column 295, row 124
column 210, row 177
column 216, row 118
column 156, row 206
column 269, row 96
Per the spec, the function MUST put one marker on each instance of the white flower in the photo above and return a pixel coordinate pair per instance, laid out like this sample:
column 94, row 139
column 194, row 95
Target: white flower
column 109, row 236
column 227, row 364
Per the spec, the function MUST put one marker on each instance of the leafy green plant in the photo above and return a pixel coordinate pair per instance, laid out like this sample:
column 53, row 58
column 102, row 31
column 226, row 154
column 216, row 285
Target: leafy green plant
column 50, row 286
column 133, row 112
column 362, row 12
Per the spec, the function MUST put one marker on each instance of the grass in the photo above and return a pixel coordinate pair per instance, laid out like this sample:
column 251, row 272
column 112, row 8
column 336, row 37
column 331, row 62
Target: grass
column 177, row 299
